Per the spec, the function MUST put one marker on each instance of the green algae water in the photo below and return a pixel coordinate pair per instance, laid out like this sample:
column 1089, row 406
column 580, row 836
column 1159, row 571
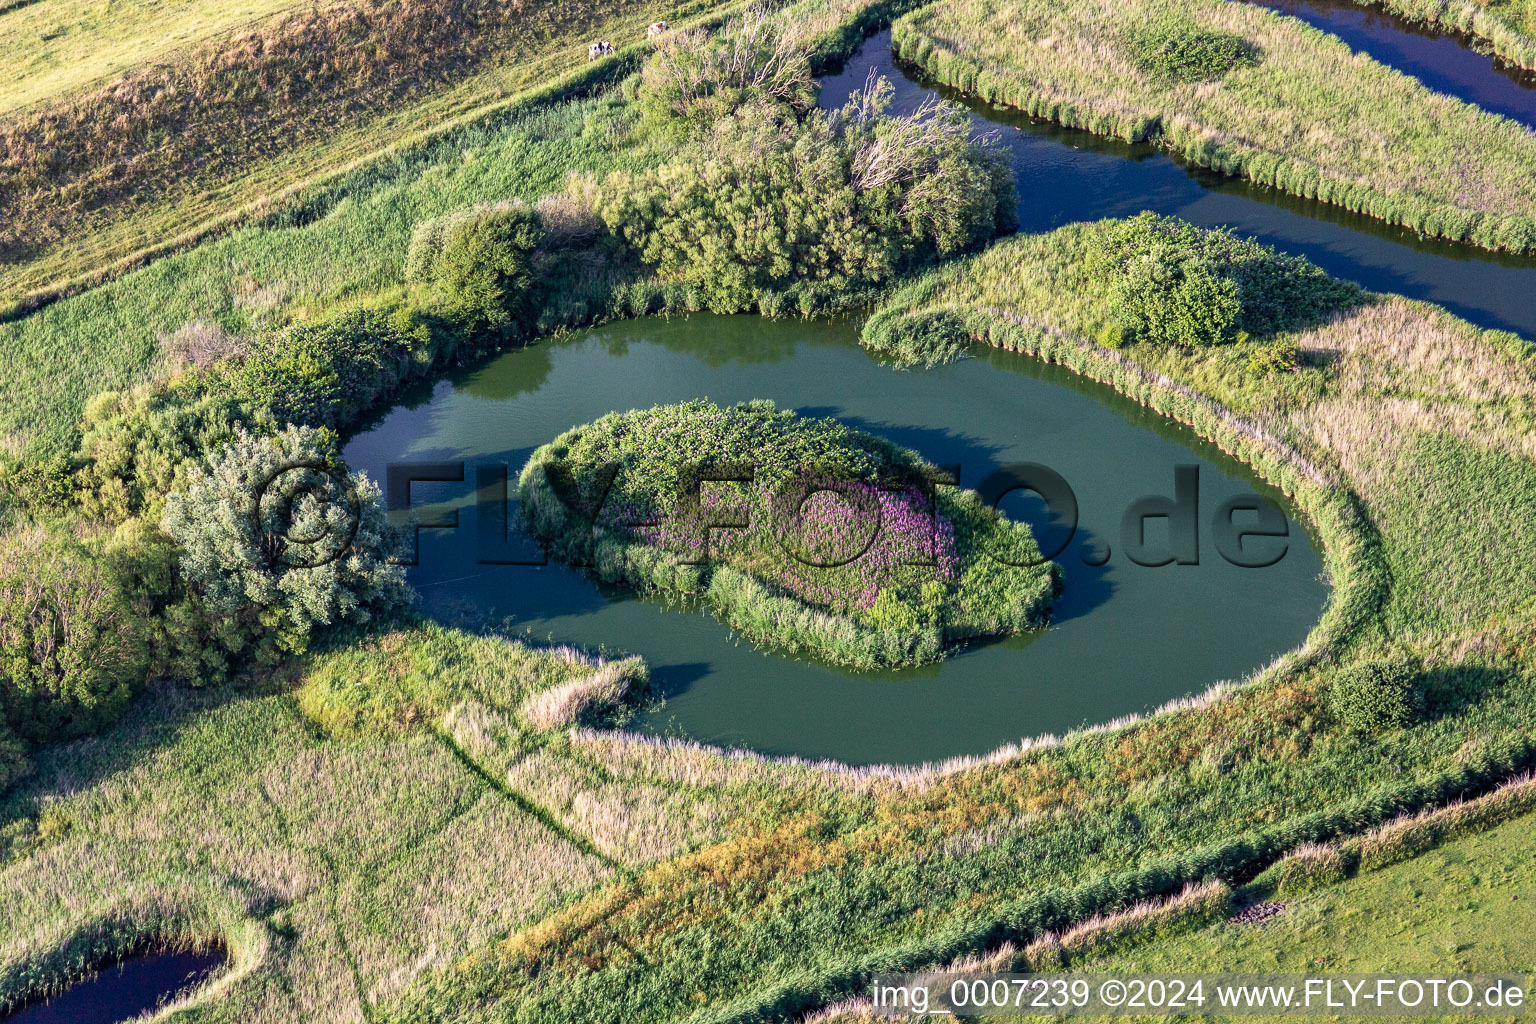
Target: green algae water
column 1124, row 637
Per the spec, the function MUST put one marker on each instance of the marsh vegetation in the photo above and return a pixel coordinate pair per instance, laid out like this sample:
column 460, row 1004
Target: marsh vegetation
column 844, row 546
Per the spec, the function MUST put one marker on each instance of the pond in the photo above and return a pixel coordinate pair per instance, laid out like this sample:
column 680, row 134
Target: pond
column 118, row 993
column 1124, row 638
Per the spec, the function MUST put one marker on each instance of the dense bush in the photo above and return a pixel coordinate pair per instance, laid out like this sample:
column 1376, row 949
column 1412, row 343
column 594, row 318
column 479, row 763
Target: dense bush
column 1174, row 47
column 186, row 641
column 1276, row 357
column 324, row 372
column 278, row 540
column 1376, row 695
column 1168, row 298
column 695, row 78
column 840, row 553
column 916, row 339
column 136, row 447
column 1176, row 284
column 764, row 203
column 481, row 259
column 72, row 650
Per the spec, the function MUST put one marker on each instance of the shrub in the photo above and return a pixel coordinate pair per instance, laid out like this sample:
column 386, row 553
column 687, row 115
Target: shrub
column 1173, row 47
column 1165, row 298
column 1376, row 695
column 695, row 78
column 485, row 269
column 136, row 447
column 917, row 339
column 325, row 372
column 1276, row 357
column 71, row 649
column 13, row 764
column 180, row 631
column 1174, row 283
column 765, row 205
column 279, row 540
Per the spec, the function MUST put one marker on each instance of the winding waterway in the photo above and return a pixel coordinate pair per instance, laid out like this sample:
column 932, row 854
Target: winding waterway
column 1067, row 176
column 1125, row 638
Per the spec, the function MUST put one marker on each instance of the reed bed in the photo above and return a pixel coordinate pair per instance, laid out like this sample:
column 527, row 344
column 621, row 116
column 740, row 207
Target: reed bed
column 1305, row 115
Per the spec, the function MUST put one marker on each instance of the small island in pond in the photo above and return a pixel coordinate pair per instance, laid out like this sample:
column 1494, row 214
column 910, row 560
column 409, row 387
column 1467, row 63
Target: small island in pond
column 801, row 534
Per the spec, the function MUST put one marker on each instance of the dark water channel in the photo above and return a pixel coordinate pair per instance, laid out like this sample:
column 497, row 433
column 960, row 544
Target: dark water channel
column 123, row 991
column 1446, row 63
column 1067, row 176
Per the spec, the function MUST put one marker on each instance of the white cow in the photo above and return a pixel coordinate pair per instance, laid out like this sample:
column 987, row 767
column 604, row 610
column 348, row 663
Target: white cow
column 656, row 29
column 597, row 50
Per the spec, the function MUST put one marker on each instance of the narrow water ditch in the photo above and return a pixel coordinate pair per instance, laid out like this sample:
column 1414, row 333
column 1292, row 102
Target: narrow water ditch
column 1066, row 175
column 126, row 989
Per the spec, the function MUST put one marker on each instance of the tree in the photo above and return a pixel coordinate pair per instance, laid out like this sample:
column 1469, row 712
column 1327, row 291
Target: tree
column 279, row 541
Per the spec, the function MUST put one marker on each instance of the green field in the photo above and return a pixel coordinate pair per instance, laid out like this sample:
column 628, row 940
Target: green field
column 1294, row 107
column 1469, row 906
column 1464, row 907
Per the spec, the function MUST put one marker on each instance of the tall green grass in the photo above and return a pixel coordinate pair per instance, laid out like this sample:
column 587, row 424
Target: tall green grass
column 343, row 244
column 1304, row 114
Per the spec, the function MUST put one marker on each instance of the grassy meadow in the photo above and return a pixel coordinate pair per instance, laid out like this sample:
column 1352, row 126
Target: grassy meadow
column 346, row 245
column 1462, row 906
column 333, row 244
column 336, row 849
column 1294, row 107
column 55, row 47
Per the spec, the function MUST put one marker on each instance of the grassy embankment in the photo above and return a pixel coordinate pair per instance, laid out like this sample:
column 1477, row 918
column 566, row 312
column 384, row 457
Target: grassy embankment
column 332, row 245
column 124, row 140
column 1248, row 92
column 804, row 575
column 1450, row 891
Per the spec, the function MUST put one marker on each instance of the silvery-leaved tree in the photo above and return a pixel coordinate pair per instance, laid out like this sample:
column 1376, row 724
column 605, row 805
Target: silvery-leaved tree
column 280, row 541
